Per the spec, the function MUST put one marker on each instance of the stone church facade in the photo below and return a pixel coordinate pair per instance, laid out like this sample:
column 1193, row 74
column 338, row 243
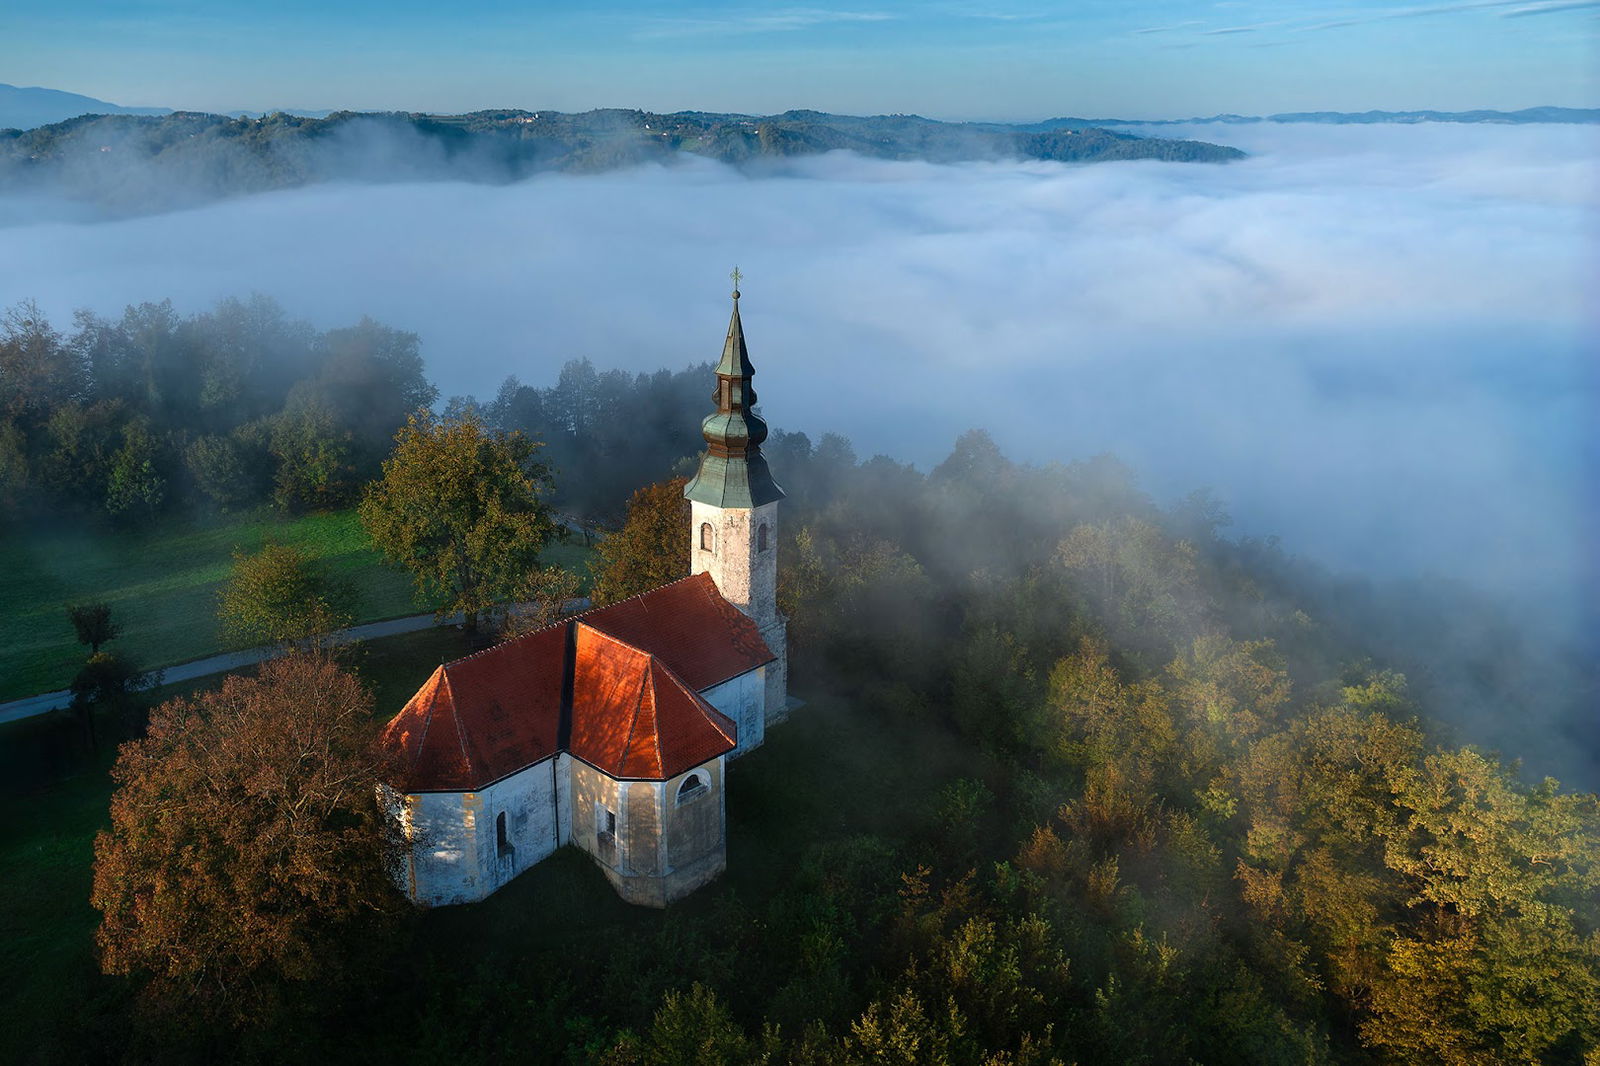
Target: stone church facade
column 611, row 730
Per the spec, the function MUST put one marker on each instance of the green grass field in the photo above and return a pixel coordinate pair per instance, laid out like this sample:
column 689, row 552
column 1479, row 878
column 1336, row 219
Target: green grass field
column 162, row 586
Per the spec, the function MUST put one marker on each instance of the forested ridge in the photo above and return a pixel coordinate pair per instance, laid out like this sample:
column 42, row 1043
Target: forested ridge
column 126, row 420
column 1081, row 778
column 135, row 163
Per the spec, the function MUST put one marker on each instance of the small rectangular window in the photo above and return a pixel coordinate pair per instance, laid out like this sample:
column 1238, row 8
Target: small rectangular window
column 502, row 840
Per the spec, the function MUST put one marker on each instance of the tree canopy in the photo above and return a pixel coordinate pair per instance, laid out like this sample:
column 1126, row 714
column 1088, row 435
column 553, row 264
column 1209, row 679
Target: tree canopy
column 651, row 548
column 93, row 625
column 463, row 508
column 245, row 831
column 134, row 416
column 278, row 596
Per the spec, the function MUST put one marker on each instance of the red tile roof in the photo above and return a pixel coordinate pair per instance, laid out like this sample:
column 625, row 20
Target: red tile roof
column 638, row 668
column 688, row 625
column 483, row 717
column 633, row 717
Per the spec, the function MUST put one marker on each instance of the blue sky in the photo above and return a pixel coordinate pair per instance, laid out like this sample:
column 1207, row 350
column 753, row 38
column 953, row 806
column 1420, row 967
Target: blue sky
column 1004, row 59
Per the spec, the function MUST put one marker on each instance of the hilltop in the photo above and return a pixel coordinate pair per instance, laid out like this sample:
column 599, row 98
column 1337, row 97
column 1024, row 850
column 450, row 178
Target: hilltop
column 1562, row 115
column 140, row 163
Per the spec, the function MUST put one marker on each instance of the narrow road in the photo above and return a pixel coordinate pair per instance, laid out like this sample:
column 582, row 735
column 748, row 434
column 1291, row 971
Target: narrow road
column 234, row 660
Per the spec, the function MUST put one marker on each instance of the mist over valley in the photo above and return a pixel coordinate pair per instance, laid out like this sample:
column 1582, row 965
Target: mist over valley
column 1375, row 342
column 1368, row 340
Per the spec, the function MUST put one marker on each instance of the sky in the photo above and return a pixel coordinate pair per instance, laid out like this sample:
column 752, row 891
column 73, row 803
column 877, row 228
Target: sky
column 962, row 59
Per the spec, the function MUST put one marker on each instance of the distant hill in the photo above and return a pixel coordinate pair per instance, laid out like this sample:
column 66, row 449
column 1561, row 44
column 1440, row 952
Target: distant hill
column 1526, row 115
column 136, row 163
column 24, row 108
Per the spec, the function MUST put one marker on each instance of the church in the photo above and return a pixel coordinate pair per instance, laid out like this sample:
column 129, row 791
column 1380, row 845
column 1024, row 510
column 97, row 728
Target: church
column 611, row 730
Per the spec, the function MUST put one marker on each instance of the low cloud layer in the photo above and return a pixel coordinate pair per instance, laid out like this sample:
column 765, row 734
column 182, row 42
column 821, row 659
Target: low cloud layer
column 1378, row 342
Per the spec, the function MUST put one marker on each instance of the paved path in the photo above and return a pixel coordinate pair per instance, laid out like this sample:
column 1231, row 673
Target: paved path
column 233, row 660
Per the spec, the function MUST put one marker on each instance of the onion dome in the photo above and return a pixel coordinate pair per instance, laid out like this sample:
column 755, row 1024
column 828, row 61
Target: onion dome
column 733, row 472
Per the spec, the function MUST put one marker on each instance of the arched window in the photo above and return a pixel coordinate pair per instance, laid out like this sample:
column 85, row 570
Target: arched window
column 761, row 538
column 692, row 786
column 707, row 538
column 502, row 841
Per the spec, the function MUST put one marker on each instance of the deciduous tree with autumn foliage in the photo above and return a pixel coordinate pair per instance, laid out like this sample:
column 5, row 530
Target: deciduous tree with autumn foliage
column 247, row 848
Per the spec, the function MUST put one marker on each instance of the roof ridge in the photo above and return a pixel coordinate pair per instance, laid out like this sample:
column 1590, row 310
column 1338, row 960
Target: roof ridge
column 700, row 701
column 461, row 737
column 640, row 595
column 650, row 672
column 427, row 718
column 577, row 616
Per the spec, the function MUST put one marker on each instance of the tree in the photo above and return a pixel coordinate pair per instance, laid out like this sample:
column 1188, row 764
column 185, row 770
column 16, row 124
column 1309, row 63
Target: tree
column 313, row 454
column 278, row 595
column 92, row 622
column 651, row 548
column 14, row 475
column 371, row 377
column 463, row 509
column 37, row 371
column 219, row 470
column 135, row 485
column 103, row 682
column 1500, row 960
column 541, row 599
column 247, row 847
column 694, row 1028
column 75, row 452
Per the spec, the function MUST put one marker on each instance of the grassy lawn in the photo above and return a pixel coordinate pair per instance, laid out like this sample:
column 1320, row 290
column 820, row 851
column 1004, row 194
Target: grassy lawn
column 162, row 586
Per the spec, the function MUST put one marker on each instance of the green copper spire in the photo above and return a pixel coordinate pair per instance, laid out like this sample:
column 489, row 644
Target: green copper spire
column 733, row 472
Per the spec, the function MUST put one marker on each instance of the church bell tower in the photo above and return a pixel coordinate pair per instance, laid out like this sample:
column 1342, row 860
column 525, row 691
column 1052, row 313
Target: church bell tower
column 733, row 501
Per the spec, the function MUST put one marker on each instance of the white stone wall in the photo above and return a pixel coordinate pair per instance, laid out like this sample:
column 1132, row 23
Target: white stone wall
column 745, row 575
column 696, row 849
column 744, row 699
column 775, row 695
column 748, row 578
column 456, row 855
column 660, row 851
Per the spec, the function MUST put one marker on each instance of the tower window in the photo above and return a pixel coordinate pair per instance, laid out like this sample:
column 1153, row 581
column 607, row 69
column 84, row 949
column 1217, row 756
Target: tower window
column 761, row 538
column 707, row 537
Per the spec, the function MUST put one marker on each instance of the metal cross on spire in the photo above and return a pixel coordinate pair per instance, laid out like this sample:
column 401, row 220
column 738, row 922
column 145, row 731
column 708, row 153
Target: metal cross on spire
column 737, row 277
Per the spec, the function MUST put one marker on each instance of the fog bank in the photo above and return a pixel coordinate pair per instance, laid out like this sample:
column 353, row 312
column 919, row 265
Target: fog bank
column 1376, row 341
